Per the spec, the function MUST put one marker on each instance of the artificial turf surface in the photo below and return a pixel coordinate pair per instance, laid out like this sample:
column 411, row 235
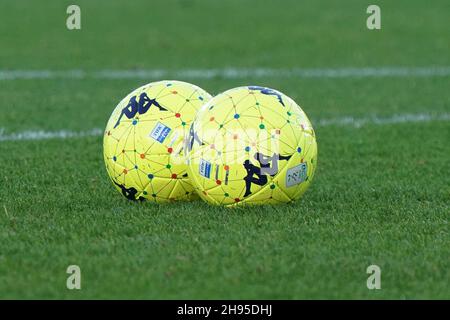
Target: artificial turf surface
column 380, row 194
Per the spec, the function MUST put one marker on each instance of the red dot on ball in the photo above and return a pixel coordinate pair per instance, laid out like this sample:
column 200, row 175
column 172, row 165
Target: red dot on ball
column 169, row 150
column 142, row 155
column 237, row 200
column 226, row 167
column 174, row 175
column 177, row 115
column 218, row 182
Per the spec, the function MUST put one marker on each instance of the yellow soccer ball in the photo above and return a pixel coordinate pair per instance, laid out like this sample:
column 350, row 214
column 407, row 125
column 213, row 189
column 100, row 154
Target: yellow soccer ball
column 144, row 139
column 251, row 145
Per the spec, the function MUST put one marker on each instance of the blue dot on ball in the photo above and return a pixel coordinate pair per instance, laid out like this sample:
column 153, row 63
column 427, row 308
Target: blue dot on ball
column 299, row 149
column 150, row 176
column 134, row 122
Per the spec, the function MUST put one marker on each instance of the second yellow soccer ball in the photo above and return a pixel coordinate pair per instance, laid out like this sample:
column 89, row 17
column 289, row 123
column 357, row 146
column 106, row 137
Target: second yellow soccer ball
column 251, row 145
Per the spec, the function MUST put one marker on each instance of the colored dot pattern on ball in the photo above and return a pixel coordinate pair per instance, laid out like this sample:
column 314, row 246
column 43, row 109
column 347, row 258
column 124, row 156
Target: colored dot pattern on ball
column 261, row 126
column 247, row 149
column 236, row 116
column 272, row 186
column 299, row 150
column 128, row 167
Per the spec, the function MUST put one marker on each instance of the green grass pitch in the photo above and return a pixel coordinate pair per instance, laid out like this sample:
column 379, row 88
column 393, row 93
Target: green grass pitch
column 381, row 192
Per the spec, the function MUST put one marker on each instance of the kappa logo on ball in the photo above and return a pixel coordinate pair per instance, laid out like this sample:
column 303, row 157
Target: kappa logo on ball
column 160, row 132
column 204, row 168
column 296, row 175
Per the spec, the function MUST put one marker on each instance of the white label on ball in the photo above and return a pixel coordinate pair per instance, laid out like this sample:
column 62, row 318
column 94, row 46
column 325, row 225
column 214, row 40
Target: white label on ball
column 160, row 132
column 204, row 168
column 296, row 175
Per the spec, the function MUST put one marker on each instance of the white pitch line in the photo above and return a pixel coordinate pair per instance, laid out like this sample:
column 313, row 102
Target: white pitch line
column 45, row 135
column 377, row 120
column 348, row 121
column 230, row 73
